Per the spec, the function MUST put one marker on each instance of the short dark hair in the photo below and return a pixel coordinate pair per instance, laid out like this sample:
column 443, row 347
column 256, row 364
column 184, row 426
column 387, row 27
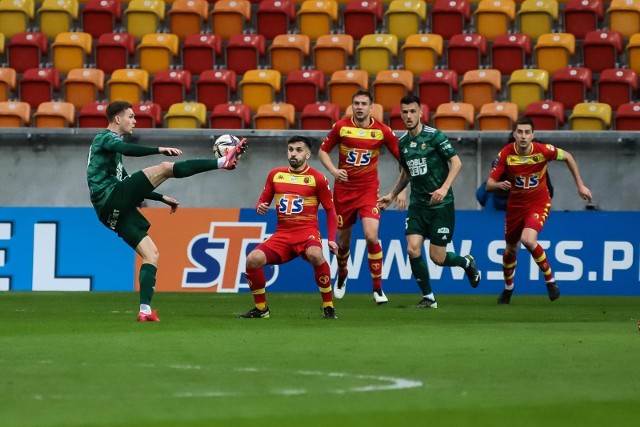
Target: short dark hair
column 362, row 92
column 524, row 121
column 116, row 108
column 299, row 138
column 410, row 99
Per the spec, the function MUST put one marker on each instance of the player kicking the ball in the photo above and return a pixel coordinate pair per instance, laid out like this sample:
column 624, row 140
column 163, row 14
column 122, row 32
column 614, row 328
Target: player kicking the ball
column 116, row 195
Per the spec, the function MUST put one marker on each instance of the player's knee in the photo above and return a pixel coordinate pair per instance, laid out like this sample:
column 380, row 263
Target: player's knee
column 153, row 257
column 414, row 252
column 255, row 260
column 437, row 259
column 530, row 244
column 167, row 168
column 314, row 255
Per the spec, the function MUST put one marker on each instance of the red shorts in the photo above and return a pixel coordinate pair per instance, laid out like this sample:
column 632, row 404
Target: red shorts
column 351, row 202
column 283, row 246
column 519, row 217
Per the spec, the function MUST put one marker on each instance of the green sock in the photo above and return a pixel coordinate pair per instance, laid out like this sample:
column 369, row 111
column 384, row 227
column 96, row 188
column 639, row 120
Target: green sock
column 187, row 168
column 455, row 260
column 421, row 273
column 147, row 279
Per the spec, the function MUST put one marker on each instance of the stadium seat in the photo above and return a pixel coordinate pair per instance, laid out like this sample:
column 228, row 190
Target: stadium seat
column 274, row 116
column 395, row 116
column 54, row 115
column 494, row 17
column 527, row 86
column 148, row 115
column 390, row 86
column 628, row 117
column 600, row 50
column 617, row 86
column 27, row 50
column 71, row 51
column 377, row 52
column 94, row 115
column 546, row 115
column 510, row 52
column 555, row 51
column 537, row 17
column 454, row 116
column 170, row 87
column 571, row 86
column 230, row 17
column 437, row 87
column 128, row 85
column 422, row 52
column 57, row 16
column 406, row 17
column 304, row 87
column 376, row 112
column 624, row 17
column 199, row 52
column 333, row 52
column 319, row 116
column 113, row 51
column 260, row 87
column 16, row 16
column 144, row 17
column 317, row 17
column 7, row 83
column 186, row 115
column 497, row 116
column 344, row 83
column 480, row 87
column 466, row 52
column 275, row 17
column 38, row 85
column 362, row 17
column 14, row 114
column 101, row 17
column 83, row 86
column 215, row 87
column 633, row 53
column 582, row 16
column 450, row 17
column 245, row 52
column 157, row 52
column 590, row 116
column 188, row 17
column 289, row 52
column 230, row 116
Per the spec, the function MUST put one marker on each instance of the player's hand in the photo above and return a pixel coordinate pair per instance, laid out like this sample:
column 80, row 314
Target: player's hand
column 333, row 247
column 585, row 193
column 384, row 202
column 438, row 196
column 401, row 200
column 505, row 185
column 173, row 203
column 341, row 175
column 262, row 208
column 169, row 151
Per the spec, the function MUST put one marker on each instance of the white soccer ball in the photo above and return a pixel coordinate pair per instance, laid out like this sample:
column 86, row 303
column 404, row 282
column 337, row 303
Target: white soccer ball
column 224, row 143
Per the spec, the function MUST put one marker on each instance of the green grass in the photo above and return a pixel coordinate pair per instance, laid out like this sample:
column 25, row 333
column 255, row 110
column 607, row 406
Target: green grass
column 80, row 359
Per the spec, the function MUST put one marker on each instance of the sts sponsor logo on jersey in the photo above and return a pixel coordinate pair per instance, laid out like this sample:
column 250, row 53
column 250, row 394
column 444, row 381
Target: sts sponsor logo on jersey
column 290, row 204
column 359, row 157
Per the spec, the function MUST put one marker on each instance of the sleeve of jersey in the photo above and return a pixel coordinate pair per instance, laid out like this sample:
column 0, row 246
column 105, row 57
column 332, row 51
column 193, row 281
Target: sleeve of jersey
column 391, row 141
column 499, row 168
column 131, row 150
column 331, row 139
column 326, row 199
column 444, row 147
column 267, row 192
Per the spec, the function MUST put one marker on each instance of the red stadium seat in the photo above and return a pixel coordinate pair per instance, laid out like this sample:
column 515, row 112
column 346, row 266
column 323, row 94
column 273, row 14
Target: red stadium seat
column 319, row 116
column 215, row 87
column 466, row 52
column 582, row 16
column 450, row 17
column 275, row 17
column 244, row 52
column 600, row 50
column 546, row 115
column 395, row 118
column 510, row 52
column 362, row 17
column 437, row 87
column 230, row 116
column 170, row 87
column 571, row 86
column 199, row 52
column 38, row 85
column 304, row 87
column 101, row 16
column 628, row 117
column 27, row 50
column 113, row 51
column 93, row 115
column 617, row 86
column 148, row 115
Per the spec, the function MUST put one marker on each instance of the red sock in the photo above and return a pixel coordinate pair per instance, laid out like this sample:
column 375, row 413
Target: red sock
column 540, row 257
column 508, row 268
column 322, row 274
column 375, row 264
column 342, row 258
column 257, row 283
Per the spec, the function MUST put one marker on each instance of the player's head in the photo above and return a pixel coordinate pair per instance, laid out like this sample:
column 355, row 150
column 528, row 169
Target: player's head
column 299, row 151
column 361, row 103
column 523, row 133
column 121, row 117
column 410, row 111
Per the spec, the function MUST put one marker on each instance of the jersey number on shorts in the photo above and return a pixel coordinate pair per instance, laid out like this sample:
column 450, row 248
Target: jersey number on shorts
column 530, row 181
column 359, row 157
column 290, row 204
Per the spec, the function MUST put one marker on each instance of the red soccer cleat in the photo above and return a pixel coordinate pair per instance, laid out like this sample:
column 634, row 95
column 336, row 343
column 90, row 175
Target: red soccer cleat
column 153, row 317
column 232, row 156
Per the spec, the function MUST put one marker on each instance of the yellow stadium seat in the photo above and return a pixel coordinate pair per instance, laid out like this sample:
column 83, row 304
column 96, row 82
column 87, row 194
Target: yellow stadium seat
column 71, row 50
column 7, row 83
column 128, row 85
column 422, row 52
column 317, row 17
column 144, row 17
column 495, row 17
column 186, row 115
column 377, row 112
column 275, row 116
column 54, row 115
column 289, row 52
column 590, row 116
column 230, row 17
column 157, row 52
column 624, row 17
column 390, row 86
column 188, row 17
column 527, row 86
column 377, row 52
column 633, row 53
column 57, row 16
column 537, row 17
column 406, row 17
column 555, row 51
column 480, row 87
column 16, row 16
column 14, row 114
column 454, row 116
column 83, row 86
column 333, row 52
column 344, row 83
column 259, row 87
column 497, row 116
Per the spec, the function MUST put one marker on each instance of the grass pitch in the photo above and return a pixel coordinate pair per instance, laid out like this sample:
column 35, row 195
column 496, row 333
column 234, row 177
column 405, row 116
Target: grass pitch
column 80, row 359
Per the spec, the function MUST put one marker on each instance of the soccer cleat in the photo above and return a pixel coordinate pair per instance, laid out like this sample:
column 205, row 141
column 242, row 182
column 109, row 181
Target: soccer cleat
column 256, row 313
column 553, row 290
column 427, row 303
column 340, row 288
column 472, row 272
column 153, row 317
column 380, row 297
column 233, row 154
column 505, row 296
column 329, row 313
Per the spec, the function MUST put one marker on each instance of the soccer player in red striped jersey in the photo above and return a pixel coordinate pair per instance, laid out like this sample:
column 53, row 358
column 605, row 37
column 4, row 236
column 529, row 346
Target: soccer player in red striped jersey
column 525, row 164
column 299, row 190
column 359, row 140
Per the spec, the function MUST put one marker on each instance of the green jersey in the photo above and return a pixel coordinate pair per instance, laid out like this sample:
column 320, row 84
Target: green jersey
column 104, row 166
column 425, row 157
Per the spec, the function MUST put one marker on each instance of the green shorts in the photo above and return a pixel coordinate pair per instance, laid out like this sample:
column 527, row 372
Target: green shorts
column 120, row 211
column 433, row 224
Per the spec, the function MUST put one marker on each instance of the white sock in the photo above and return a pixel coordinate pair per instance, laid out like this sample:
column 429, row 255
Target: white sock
column 146, row 309
column 430, row 296
column 509, row 287
column 221, row 162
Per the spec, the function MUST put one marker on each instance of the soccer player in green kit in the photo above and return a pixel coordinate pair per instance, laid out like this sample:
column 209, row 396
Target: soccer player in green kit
column 116, row 195
column 431, row 165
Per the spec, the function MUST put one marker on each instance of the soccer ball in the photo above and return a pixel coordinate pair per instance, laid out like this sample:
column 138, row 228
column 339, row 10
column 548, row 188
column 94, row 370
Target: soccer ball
column 224, row 143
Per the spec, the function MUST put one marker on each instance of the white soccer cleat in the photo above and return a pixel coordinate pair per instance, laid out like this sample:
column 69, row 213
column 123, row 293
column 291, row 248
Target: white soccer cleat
column 380, row 297
column 340, row 288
